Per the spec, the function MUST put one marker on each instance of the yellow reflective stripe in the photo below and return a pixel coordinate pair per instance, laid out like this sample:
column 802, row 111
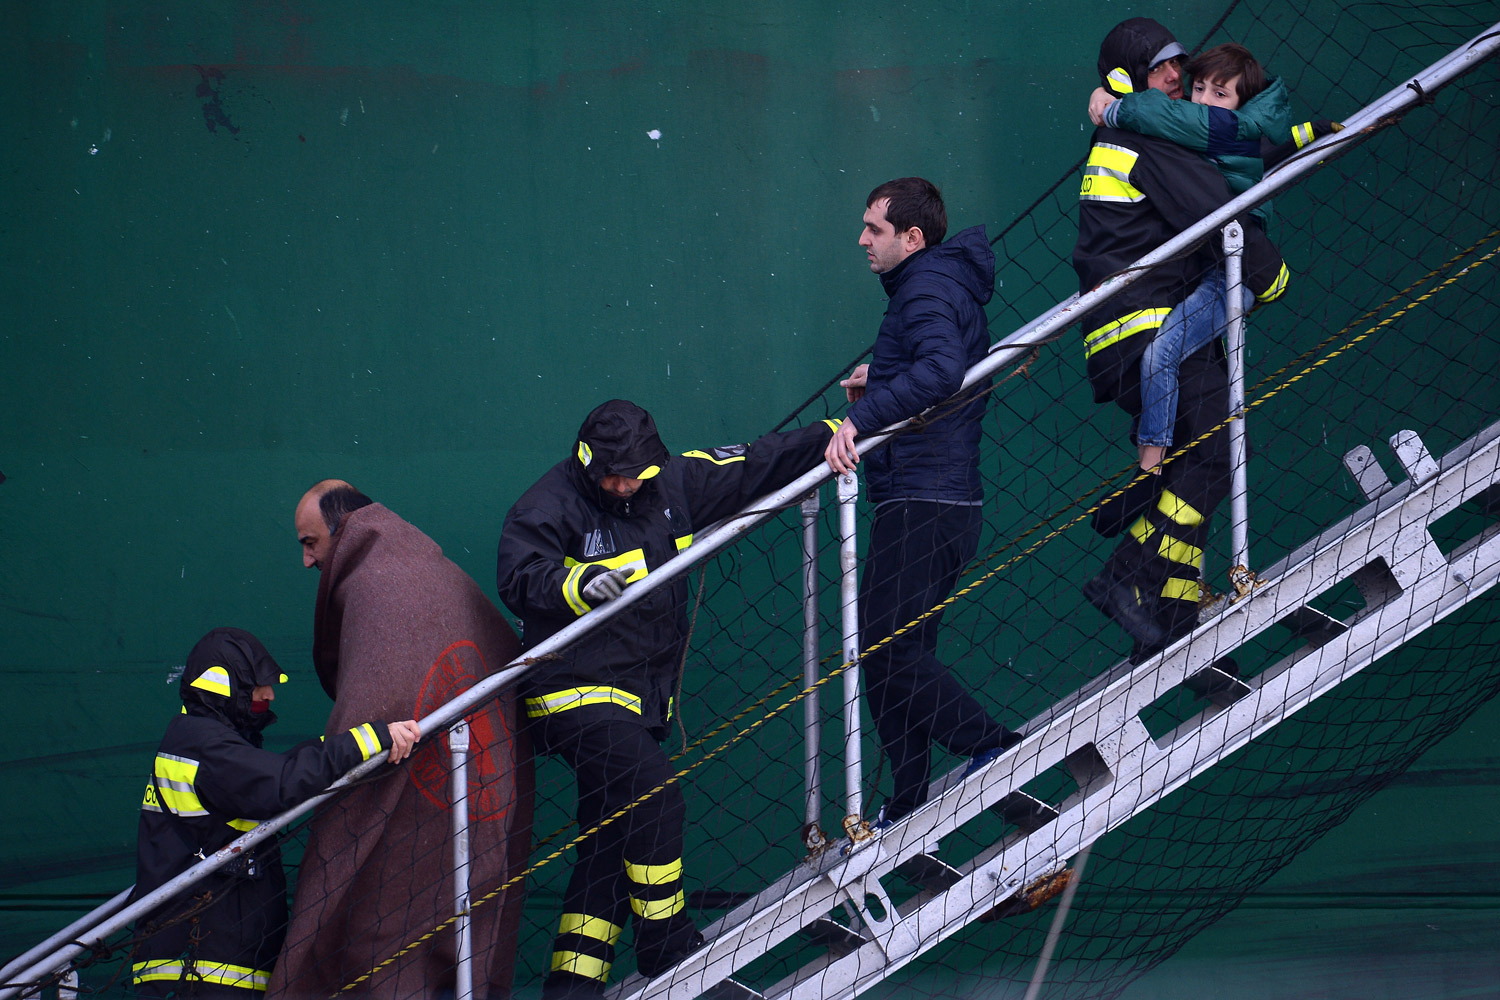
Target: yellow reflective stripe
column 633, row 560
column 174, row 778
column 717, row 461
column 221, row 973
column 1141, row 531
column 1179, row 551
column 570, row 590
column 658, row 909
column 585, row 453
column 1106, row 176
column 1107, row 187
column 1179, row 509
column 1127, row 325
column 649, row 472
column 1119, row 81
column 834, row 424
column 244, row 825
column 591, row 927
column 683, row 541
column 1303, row 134
column 1182, row 590
column 1277, row 287
column 586, row 966
column 654, row 874
column 561, row 701
column 149, row 801
column 369, row 743
column 1169, row 548
column 214, row 680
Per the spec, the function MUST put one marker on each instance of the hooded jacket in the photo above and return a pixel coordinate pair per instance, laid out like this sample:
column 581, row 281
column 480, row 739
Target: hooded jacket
column 1232, row 139
column 934, row 330
column 210, row 783
column 1129, row 51
column 1137, row 193
column 565, row 530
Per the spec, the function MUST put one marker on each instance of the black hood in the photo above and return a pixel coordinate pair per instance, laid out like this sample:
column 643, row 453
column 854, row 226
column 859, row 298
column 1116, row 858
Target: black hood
column 1130, row 50
column 222, row 671
column 617, row 439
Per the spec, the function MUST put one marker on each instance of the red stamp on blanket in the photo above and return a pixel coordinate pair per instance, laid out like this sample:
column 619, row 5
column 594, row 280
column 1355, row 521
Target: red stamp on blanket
column 491, row 744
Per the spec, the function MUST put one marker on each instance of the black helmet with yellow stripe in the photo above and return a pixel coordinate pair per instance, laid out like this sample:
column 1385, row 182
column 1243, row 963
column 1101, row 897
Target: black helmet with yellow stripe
column 617, row 439
column 1129, row 52
column 222, row 672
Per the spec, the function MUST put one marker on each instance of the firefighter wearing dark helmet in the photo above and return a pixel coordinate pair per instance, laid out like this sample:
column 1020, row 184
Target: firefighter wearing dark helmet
column 1137, row 193
column 211, row 782
column 614, row 511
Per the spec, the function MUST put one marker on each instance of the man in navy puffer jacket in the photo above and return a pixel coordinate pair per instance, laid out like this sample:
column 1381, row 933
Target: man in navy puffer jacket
column 925, row 482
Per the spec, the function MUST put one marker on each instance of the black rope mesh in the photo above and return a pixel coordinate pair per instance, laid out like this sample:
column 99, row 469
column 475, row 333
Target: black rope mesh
column 1381, row 329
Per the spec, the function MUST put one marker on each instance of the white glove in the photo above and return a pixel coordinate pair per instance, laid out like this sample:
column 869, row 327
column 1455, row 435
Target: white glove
column 605, row 587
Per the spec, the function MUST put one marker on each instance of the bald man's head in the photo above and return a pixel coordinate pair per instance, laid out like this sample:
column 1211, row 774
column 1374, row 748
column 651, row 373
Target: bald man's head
column 319, row 514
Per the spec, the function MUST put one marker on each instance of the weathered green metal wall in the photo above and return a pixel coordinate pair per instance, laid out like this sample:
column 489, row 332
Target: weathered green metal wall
column 251, row 245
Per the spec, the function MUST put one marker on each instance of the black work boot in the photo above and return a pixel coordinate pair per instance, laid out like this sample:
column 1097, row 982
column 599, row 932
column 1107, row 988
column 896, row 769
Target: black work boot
column 659, row 952
column 1132, row 610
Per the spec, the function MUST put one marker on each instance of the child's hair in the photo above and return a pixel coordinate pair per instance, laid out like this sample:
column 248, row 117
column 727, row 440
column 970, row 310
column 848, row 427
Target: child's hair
column 1223, row 63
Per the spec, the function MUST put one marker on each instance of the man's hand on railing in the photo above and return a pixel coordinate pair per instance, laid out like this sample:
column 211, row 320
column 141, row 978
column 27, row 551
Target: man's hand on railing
column 840, row 453
column 404, row 736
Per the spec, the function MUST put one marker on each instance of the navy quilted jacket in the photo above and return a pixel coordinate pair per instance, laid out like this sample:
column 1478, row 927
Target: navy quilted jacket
column 934, row 330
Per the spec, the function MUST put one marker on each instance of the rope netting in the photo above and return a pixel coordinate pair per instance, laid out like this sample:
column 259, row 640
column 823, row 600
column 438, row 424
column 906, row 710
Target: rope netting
column 1387, row 324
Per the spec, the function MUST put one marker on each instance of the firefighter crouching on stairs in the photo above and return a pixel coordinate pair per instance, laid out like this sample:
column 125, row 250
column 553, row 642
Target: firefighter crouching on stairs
column 1137, row 193
column 615, row 510
column 210, row 783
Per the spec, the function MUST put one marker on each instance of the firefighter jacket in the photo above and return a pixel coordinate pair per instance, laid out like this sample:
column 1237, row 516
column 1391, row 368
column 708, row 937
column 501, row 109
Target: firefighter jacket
column 210, row 783
column 565, row 530
column 1137, row 193
column 1232, row 139
column 933, row 332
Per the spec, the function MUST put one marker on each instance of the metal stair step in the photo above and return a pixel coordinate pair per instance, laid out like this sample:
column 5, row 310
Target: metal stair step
column 928, row 872
column 1219, row 682
column 826, row 932
column 1313, row 625
column 729, row 989
column 1025, row 811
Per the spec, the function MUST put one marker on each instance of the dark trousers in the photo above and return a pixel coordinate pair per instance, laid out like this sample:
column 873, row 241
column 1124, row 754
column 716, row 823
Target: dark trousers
column 632, row 865
column 1162, row 553
column 916, row 551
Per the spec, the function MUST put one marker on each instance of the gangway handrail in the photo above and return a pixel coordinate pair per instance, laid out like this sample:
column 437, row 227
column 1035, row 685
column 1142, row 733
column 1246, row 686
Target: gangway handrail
column 1044, row 329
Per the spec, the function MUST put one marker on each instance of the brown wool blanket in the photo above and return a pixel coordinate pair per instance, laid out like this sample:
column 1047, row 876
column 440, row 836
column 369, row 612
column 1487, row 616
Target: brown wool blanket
column 399, row 629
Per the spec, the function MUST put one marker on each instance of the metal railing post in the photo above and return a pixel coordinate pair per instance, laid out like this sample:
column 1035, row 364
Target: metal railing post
column 849, row 608
column 1239, row 488
column 812, row 832
column 458, row 746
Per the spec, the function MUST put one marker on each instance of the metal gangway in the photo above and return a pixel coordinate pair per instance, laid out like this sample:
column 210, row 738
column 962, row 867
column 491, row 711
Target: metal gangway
column 1386, row 549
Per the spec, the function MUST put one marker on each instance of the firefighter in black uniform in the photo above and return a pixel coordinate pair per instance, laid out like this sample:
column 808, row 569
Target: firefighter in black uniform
column 614, row 511
column 1137, row 193
column 212, row 782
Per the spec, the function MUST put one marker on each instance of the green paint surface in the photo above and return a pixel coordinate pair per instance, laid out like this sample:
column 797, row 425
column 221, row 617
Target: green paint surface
column 251, row 245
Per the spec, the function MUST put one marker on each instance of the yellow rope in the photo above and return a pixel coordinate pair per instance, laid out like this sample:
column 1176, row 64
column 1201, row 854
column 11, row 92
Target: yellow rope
column 975, row 584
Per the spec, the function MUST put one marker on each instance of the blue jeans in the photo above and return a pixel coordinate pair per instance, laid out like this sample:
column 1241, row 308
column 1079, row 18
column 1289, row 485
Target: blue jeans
column 1189, row 327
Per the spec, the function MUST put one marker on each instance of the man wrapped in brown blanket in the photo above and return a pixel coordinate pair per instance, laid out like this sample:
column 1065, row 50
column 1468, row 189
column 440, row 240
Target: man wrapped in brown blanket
column 399, row 629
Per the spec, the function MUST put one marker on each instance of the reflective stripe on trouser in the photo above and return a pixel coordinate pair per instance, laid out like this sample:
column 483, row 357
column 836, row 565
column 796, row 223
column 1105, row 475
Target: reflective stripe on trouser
column 655, row 890
column 1162, row 554
column 618, row 766
column 585, row 946
column 220, row 973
